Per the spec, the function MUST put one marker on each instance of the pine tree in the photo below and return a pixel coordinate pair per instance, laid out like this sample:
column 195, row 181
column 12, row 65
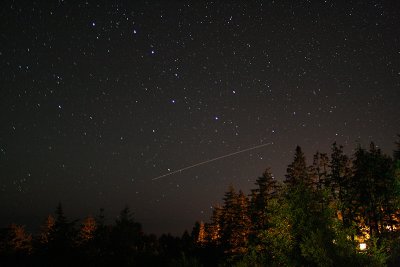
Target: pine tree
column 87, row 230
column 214, row 228
column 126, row 238
column 47, row 230
column 201, row 237
column 338, row 183
column 19, row 241
column 241, row 231
column 372, row 188
column 319, row 170
column 228, row 218
column 235, row 223
column 101, row 245
column 277, row 242
column 297, row 171
column 57, row 239
column 396, row 153
column 63, row 231
column 267, row 189
column 309, row 224
column 15, row 246
column 340, row 172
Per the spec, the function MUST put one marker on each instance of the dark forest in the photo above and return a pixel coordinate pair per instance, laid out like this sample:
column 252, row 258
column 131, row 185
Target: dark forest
column 199, row 133
column 338, row 211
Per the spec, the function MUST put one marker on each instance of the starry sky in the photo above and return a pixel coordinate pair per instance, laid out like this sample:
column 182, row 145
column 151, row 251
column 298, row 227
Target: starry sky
column 98, row 98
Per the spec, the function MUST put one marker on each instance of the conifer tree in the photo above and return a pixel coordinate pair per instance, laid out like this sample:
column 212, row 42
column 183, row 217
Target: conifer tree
column 102, row 238
column 214, row 228
column 228, row 218
column 47, row 230
column 297, row 172
column 340, row 173
column 201, row 237
column 87, row 230
column 396, row 153
column 241, row 231
column 235, row 223
column 319, row 170
column 15, row 246
column 57, row 239
column 338, row 183
column 267, row 188
column 372, row 188
column 19, row 241
column 64, row 232
column 126, row 238
column 310, row 232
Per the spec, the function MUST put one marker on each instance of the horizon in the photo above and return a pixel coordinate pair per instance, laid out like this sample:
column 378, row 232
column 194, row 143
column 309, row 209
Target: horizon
column 98, row 99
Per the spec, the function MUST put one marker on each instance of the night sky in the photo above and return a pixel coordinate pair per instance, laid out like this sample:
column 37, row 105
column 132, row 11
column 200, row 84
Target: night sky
column 97, row 98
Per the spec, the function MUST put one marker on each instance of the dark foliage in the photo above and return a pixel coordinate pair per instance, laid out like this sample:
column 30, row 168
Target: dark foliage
column 319, row 216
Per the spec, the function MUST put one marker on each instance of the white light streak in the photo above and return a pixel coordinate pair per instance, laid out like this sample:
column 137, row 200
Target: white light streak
column 210, row 160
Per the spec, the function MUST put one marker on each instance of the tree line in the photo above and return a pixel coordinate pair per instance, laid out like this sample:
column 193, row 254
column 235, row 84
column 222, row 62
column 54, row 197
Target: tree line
column 338, row 211
column 92, row 242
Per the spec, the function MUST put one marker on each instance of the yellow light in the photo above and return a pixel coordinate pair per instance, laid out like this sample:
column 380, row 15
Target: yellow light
column 363, row 246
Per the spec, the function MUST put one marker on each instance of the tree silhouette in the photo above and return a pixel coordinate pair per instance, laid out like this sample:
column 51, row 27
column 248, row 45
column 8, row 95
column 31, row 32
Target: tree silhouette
column 372, row 188
column 317, row 217
column 126, row 238
column 396, row 153
column 297, row 172
column 63, row 231
column 319, row 170
column 267, row 189
column 338, row 183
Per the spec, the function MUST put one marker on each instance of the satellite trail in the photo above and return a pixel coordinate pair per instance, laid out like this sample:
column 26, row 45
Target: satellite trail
column 210, row 160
